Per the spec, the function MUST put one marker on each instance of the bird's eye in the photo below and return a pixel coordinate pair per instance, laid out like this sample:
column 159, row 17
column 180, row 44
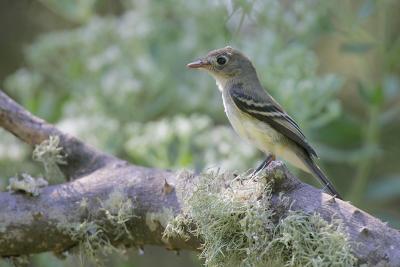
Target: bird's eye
column 221, row 60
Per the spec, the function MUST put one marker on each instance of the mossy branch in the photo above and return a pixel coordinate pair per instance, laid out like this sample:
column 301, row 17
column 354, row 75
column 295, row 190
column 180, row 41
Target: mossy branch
column 113, row 203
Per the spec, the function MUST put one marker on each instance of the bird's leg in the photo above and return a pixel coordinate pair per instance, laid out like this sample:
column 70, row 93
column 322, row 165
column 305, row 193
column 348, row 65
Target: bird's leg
column 265, row 163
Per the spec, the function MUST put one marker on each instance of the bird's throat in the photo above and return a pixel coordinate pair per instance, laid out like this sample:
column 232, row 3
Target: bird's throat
column 224, row 82
column 220, row 85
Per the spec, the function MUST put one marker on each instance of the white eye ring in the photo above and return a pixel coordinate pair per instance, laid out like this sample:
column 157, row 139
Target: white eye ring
column 222, row 60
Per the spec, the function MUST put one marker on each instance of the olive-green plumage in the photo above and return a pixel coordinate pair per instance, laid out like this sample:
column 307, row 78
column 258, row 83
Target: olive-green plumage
column 255, row 115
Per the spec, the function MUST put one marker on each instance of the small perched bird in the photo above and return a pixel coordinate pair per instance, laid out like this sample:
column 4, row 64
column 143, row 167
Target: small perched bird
column 255, row 115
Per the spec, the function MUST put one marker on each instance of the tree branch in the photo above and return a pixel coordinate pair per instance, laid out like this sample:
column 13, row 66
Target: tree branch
column 81, row 158
column 37, row 224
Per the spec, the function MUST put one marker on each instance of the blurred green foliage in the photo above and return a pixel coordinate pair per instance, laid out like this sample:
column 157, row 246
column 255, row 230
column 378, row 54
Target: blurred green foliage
column 117, row 79
column 115, row 72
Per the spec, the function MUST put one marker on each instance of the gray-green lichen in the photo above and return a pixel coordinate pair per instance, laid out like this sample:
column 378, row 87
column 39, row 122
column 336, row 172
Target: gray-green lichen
column 109, row 221
column 308, row 240
column 92, row 240
column 155, row 219
column 119, row 209
column 50, row 154
column 26, row 184
column 177, row 228
column 238, row 227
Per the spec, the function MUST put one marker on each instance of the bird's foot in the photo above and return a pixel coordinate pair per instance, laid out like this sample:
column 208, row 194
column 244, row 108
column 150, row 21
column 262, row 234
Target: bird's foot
column 263, row 164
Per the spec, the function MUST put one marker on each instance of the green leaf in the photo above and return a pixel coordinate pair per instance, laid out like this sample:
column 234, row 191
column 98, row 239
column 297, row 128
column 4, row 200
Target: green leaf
column 377, row 96
column 372, row 96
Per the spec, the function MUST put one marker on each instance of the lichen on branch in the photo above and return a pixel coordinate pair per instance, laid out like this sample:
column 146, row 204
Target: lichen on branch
column 54, row 221
column 93, row 234
column 50, row 154
column 27, row 184
column 238, row 226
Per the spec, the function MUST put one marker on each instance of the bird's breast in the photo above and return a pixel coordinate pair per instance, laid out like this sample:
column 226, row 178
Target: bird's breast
column 252, row 130
column 260, row 134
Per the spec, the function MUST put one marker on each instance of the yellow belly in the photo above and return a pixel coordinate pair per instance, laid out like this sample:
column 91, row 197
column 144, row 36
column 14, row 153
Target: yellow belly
column 261, row 135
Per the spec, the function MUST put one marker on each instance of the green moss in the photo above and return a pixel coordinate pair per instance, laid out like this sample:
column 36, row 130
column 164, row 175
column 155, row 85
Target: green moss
column 238, row 227
column 50, row 154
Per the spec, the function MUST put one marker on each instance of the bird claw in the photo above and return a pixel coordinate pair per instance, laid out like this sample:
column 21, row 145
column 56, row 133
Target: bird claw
column 263, row 164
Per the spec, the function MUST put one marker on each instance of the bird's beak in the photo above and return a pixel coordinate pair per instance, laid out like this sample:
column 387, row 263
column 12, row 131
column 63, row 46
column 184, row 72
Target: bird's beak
column 200, row 63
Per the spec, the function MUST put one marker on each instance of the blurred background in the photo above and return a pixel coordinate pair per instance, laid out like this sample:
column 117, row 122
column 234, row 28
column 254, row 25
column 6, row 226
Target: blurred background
column 113, row 73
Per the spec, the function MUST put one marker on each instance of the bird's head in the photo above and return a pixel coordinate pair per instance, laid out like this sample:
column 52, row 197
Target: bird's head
column 224, row 64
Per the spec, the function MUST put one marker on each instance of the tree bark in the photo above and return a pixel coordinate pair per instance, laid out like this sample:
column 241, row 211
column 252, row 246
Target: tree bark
column 37, row 224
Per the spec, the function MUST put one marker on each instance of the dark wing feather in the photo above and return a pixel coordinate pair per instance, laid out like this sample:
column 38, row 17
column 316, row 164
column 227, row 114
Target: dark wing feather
column 272, row 114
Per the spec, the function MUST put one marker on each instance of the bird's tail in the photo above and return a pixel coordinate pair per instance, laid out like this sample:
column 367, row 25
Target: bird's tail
column 317, row 172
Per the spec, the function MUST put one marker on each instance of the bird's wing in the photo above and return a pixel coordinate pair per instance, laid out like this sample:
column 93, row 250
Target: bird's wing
column 271, row 113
